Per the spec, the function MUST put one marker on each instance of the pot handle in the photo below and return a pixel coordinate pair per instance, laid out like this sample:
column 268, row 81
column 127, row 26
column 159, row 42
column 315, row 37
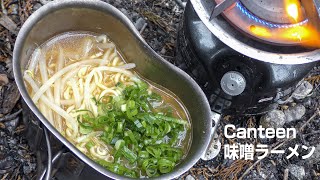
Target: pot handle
column 54, row 159
column 214, row 146
column 46, row 173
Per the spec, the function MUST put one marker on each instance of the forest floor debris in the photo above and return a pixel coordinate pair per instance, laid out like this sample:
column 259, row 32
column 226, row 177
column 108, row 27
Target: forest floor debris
column 158, row 22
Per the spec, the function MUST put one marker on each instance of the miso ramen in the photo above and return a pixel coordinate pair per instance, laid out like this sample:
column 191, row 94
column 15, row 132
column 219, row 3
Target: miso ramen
column 86, row 90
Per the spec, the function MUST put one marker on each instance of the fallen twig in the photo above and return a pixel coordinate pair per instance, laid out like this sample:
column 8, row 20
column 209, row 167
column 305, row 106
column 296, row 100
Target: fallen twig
column 143, row 28
column 313, row 79
column 159, row 21
column 6, row 22
column 233, row 170
column 313, row 133
column 3, row 9
column 5, row 176
column 11, row 116
column 259, row 160
column 309, row 120
column 286, row 174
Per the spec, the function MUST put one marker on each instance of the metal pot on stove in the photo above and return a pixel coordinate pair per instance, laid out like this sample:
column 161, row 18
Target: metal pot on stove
column 248, row 55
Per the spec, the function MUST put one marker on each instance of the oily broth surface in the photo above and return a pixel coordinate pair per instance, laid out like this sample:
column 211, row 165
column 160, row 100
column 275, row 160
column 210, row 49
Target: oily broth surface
column 72, row 45
column 179, row 110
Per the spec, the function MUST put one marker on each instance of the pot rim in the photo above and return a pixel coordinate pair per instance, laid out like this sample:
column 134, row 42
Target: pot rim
column 97, row 5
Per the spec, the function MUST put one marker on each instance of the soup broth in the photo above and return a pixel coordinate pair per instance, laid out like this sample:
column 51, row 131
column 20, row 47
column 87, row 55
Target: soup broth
column 86, row 90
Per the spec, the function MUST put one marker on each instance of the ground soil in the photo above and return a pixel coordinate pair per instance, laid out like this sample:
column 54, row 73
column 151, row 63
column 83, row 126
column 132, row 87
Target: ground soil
column 158, row 21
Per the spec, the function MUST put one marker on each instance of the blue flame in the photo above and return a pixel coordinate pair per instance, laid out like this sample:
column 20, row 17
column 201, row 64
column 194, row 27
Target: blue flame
column 266, row 23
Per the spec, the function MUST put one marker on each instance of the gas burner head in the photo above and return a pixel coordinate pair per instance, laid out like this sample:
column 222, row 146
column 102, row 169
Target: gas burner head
column 268, row 11
column 275, row 30
column 270, row 20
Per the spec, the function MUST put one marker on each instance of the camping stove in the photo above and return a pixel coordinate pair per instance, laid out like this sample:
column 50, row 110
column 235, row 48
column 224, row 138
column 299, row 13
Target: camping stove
column 241, row 54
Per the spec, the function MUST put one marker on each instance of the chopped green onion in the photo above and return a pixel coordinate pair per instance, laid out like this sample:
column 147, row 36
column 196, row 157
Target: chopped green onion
column 171, row 119
column 119, row 127
column 128, row 154
column 154, row 151
column 140, row 133
column 165, row 165
column 89, row 145
column 119, row 144
column 85, row 130
column 123, row 107
column 131, row 104
column 138, row 124
column 167, row 128
column 150, row 167
column 143, row 154
column 118, row 168
column 131, row 136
